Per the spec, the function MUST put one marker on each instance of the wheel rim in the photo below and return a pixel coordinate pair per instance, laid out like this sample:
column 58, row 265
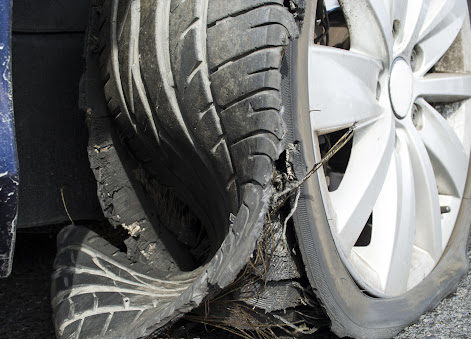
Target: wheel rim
column 408, row 163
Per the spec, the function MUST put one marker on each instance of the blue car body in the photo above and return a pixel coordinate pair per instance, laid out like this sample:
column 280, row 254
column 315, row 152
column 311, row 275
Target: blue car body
column 9, row 179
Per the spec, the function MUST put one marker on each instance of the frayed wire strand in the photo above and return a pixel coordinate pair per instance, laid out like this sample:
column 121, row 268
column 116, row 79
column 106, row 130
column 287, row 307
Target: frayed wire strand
column 334, row 149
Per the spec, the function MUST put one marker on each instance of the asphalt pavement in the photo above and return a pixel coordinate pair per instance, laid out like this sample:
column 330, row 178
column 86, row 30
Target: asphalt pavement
column 450, row 319
column 25, row 311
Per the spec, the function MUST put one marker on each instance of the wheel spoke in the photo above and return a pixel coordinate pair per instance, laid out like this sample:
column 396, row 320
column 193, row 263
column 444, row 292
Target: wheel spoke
column 370, row 26
column 428, row 220
column 446, row 151
column 439, row 13
column 410, row 25
column 444, row 87
column 390, row 250
column 354, row 200
column 421, row 265
column 342, row 88
column 442, row 24
column 398, row 10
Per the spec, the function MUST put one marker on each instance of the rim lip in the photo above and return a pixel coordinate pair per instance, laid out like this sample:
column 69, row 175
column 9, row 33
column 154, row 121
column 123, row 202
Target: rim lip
column 324, row 192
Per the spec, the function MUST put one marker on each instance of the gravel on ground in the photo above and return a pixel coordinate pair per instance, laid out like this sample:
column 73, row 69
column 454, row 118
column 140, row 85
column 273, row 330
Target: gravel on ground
column 450, row 319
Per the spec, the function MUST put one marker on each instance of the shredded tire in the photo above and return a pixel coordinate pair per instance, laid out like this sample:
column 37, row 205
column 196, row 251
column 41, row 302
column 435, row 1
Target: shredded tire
column 185, row 94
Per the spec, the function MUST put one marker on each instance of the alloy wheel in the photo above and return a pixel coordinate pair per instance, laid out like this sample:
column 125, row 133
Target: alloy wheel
column 403, row 85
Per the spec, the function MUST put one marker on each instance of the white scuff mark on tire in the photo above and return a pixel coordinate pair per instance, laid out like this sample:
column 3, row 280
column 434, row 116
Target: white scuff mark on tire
column 134, row 229
column 149, row 251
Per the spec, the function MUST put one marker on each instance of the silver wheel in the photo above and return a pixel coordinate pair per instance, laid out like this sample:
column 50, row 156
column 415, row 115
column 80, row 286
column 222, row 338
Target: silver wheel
column 405, row 85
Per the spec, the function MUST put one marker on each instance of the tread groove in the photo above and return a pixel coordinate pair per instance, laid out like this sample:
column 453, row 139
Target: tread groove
column 143, row 95
column 133, row 48
column 107, row 324
column 193, row 86
column 163, row 61
column 232, row 180
column 241, row 12
column 121, row 28
column 243, row 55
column 136, row 318
column 192, row 25
column 250, row 94
column 269, row 23
column 262, row 70
column 218, row 143
column 195, row 70
column 258, row 132
column 114, row 61
column 79, row 329
column 81, row 317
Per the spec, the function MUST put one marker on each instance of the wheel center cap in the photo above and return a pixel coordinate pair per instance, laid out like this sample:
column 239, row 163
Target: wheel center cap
column 400, row 87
